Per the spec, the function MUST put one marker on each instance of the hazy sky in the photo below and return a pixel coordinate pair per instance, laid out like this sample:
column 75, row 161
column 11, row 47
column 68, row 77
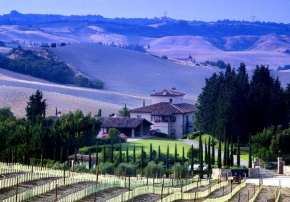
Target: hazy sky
column 206, row 10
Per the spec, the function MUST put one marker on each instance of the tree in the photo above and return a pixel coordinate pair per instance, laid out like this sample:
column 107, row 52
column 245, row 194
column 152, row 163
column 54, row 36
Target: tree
column 143, row 103
column 53, row 45
column 220, row 154
column 150, row 155
column 167, row 157
column 142, row 160
column 183, row 158
column 191, row 163
column 100, row 113
column 250, row 153
column 213, row 152
column 134, row 154
column 225, row 151
column 159, row 154
column 114, row 134
column 61, row 155
column 127, row 154
column 97, row 154
column 175, row 153
column 112, row 152
column 232, row 153
column 208, row 155
column 104, row 153
column 36, row 107
column 124, row 112
column 56, row 111
column 90, row 159
column 239, row 153
column 120, row 152
column 200, row 155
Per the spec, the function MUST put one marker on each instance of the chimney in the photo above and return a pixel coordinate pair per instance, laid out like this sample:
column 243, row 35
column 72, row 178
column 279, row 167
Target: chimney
column 153, row 92
column 173, row 88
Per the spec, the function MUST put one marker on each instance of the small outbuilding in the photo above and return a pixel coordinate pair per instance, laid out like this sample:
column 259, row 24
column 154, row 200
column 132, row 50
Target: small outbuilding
column 131, row 127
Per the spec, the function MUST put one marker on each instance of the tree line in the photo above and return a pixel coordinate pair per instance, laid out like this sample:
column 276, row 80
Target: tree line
column 232, row 106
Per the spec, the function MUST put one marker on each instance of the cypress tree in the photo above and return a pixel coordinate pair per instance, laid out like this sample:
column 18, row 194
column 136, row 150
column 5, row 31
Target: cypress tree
column 151, row 157
column 238, row 154
column 112, row 152
column 191, row 163
column 183, row 158
column 167, row 157
column 175, row 154
column 142, row 150
column 90, row 159
column 104, row 153
column 225, row 149
column 127, row 154
column 208, row 155
column 76, row 159
column 205, row 151
column 250, row 152
column 232, row 152
column 228, row 153
column 60, row 156
column 220, row 154
column 200, row 155
column 100, row 113
column 134, row 154
column 212, row 152
column 97, row 154
column 120, row 152
column 143, row 103
column 56, row 111
column 159, row 154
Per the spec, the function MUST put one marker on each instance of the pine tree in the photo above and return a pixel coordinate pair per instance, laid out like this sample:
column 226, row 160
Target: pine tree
column 167, row 157
column 159, row 154
column 90, row 159
column 134, row 154
column 239, row 154
column 250, row 152
column 112, row 152
column 151, row 155
column 220, row 154
column 120, row 152
column 36, row 107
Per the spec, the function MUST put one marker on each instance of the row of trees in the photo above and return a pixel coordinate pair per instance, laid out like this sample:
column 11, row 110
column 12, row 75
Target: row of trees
column 231, row 105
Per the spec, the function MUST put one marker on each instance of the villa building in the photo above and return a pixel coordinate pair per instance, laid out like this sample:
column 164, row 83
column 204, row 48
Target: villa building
column 168, row 113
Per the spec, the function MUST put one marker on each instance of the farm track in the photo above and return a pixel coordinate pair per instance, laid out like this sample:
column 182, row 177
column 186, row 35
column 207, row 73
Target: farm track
column 216, row 194
column 104, row 195
column 61, row 192
column 285, row 195
column 267, row 194
column 146, row 198
column 10, row 175
column 22, row 187
column 243, row 194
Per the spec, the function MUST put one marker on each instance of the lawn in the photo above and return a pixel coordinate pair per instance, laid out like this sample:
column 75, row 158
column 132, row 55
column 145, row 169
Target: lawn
column 155, row 141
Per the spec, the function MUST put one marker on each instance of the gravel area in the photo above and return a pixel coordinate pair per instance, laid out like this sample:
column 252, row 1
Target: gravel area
column 285, row 195
column 267, row 194
column 200, row 188
column 61, row 192
column 10, row 191
column 244, row 194
column 104, row 195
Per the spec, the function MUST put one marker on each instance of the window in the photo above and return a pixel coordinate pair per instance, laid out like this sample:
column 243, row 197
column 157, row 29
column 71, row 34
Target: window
column 173, row 118
column 158, row 130
column 170, row 100
column 138, row 116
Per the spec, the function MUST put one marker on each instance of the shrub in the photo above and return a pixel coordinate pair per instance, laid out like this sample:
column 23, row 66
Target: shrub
column 164, row 57
column 128, row 168
column 168, row 172
column 114, row 134
column 62, row 44
column 162, row 135
column 184, row 136
column 153, row 169
column 53, row 45
column 180, row 171
column 80, row 167
column 107, row 168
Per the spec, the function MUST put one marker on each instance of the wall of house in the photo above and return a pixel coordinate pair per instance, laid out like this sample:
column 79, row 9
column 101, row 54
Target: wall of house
column 177, row 126
column 147, row 116
column 175, row 99
column 190, row 121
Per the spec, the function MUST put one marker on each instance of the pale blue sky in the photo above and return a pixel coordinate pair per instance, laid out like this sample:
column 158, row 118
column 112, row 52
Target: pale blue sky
column 206, row 10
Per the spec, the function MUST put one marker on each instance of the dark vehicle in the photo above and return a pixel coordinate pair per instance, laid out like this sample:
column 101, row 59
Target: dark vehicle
column 238, row 175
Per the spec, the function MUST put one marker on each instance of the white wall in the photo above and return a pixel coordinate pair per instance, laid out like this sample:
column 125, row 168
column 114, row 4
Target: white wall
column 177, row 125
column 175, row 99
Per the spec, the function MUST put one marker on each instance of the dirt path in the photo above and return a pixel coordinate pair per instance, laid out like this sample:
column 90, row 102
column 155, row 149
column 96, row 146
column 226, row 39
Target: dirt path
column 285, row 195
column 61, row 192
column 201, row 188
column 10, row 191
column 9, row 175
column 146, row 198
column 104, row 195
column 267, row 194
column 242, row 195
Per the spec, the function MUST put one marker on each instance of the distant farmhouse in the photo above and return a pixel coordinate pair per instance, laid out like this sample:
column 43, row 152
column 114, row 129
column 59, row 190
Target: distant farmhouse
column 167, row 114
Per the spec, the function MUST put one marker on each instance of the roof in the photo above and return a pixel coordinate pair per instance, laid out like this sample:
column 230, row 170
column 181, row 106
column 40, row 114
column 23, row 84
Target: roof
column 122, row 122
column 166, row 92
column 166, row 109
column 85, row 158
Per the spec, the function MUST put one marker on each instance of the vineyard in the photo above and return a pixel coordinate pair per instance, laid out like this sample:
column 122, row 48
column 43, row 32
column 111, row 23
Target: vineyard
column 31, row 183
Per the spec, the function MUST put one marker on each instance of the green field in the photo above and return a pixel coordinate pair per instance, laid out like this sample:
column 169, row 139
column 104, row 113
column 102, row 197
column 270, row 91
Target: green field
column 155, row 141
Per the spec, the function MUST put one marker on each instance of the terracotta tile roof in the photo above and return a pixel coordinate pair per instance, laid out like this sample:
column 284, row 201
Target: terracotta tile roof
column 85, row 158
column 166, row 109
column 121, row 122
column 166, row 92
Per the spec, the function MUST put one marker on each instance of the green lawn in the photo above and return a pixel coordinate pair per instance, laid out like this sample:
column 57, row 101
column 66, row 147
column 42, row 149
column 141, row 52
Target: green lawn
column 163, row 142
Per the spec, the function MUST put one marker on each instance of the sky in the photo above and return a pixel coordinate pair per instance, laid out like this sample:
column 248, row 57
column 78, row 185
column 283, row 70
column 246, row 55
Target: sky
column 205, row 10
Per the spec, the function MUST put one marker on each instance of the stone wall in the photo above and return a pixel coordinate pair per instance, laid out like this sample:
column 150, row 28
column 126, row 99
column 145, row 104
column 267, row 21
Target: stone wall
column 254, row 172
column 286, row 170
column 220, row 173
